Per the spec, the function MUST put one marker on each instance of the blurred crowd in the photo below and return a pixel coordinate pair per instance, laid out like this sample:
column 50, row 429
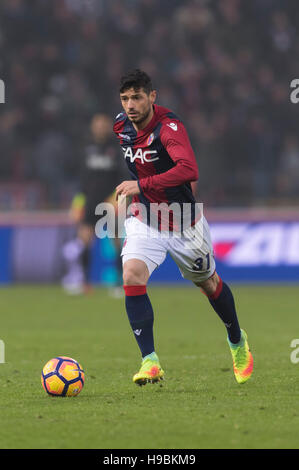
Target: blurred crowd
column 223, row 67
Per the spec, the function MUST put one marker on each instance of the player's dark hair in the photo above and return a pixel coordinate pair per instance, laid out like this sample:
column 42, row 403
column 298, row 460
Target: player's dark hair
column 136, row 79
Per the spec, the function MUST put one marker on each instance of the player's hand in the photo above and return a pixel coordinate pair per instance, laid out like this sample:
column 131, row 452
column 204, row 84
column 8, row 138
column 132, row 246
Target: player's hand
column 127, row 188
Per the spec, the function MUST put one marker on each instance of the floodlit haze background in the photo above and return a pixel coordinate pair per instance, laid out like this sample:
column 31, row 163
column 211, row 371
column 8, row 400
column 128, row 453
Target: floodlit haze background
column 223, row 67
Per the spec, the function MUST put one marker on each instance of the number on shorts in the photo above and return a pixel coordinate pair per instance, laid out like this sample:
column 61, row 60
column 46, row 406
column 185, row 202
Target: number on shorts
column 199, row 263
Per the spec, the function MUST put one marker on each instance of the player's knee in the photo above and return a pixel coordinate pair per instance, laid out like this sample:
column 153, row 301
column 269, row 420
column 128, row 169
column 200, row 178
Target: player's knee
column 209, row 287
column 131, row 277
column 135, row 274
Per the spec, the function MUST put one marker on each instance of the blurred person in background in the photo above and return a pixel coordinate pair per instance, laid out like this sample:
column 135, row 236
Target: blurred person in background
column 100, row 173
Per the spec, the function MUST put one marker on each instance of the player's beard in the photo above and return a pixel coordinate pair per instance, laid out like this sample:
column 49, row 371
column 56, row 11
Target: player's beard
column 140, row 119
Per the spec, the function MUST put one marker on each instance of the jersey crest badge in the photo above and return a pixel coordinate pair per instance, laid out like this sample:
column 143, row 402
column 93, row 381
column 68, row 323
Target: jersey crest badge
column 150, row 139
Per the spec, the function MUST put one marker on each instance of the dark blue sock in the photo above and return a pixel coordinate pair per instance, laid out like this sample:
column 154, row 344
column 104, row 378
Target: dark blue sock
column 223, row 304
column 141, row 317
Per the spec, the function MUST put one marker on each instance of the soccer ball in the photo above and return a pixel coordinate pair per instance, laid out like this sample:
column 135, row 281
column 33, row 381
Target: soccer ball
column 62, row 377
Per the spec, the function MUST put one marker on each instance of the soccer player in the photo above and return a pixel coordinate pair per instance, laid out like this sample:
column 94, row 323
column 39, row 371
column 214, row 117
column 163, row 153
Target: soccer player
column 162, row 166
column 100, row 172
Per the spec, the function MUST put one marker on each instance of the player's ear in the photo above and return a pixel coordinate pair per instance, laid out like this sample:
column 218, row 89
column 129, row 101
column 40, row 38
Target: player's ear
column 153, row 96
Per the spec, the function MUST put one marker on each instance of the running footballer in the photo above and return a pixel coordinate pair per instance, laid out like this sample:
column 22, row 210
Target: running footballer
column 162, row 166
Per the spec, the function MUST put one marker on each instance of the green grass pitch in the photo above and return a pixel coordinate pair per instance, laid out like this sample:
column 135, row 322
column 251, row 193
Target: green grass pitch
column 200, row 404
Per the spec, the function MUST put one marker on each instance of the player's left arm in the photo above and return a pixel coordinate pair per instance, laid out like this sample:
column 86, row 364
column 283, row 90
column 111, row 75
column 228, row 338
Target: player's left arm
column 176, row 141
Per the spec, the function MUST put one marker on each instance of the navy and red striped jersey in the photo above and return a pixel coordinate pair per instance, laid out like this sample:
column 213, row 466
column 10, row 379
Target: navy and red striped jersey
column 159, row 157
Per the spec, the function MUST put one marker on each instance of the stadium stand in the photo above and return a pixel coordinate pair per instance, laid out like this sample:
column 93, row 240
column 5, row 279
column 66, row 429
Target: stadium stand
column 61, row 62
